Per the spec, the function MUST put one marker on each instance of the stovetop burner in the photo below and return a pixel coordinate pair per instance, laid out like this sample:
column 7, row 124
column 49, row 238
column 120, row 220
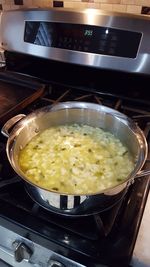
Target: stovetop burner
column 106, row 238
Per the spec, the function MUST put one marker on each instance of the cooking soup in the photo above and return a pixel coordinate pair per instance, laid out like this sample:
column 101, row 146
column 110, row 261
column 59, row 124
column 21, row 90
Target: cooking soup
column 75, row 159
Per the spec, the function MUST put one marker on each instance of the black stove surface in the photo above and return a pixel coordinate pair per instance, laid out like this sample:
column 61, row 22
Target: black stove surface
column 104, row 239
column 107, row 238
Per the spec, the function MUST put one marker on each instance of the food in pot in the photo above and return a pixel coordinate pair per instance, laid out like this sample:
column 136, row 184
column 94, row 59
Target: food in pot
column 75, row 159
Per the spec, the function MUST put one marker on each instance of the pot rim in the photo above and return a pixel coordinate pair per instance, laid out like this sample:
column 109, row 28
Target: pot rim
column 77, row 105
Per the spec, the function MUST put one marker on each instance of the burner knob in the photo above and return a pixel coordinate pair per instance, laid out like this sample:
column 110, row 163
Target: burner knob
column 54, row 263
column 22, row 251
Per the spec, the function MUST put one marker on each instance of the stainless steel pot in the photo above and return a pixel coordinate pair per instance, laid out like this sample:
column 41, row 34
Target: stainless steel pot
column 76, row 112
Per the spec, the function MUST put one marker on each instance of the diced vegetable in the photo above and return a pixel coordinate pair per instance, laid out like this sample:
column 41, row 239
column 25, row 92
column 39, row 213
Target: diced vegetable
column 75, row 159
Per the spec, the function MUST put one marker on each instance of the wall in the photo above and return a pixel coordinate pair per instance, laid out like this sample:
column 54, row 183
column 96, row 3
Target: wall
column 129, row 6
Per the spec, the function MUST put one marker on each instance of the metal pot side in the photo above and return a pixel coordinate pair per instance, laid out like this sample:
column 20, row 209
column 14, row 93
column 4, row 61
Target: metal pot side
column 83, row 113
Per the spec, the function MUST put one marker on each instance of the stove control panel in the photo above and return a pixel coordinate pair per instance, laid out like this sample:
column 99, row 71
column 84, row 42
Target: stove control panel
column 16, row 250
column 83, row 38
column 91, row 38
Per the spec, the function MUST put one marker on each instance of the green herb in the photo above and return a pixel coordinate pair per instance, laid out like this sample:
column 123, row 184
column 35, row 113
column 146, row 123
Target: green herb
column 55, row 188
column 119, row 179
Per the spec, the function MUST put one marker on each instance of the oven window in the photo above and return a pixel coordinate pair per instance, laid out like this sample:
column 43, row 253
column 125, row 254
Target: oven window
column 83, row 38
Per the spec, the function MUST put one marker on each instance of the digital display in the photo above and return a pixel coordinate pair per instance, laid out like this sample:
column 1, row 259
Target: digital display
column 84, row 38
column 88, row 32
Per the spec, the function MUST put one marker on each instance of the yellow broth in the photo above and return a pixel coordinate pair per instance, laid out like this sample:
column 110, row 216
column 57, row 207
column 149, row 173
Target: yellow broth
column 75, row 159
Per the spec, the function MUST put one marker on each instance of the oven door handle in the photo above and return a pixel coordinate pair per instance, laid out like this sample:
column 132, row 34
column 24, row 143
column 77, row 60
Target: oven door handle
column 11, row 123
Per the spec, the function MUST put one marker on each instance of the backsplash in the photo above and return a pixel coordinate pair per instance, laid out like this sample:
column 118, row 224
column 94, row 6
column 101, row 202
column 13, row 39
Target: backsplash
column 129, row 6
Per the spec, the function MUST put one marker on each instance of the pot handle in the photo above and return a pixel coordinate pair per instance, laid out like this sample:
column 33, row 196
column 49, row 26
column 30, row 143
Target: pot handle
column 142, row 173
column 10, row 123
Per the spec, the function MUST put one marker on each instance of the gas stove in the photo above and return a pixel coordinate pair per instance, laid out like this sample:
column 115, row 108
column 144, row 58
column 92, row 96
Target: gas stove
column 44, row 70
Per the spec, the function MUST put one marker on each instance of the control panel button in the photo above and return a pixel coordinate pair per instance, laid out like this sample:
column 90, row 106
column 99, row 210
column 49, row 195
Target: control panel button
column 22, row 251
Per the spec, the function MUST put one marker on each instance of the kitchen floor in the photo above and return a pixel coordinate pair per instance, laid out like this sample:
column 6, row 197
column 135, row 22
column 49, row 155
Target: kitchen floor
column 141, row 256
